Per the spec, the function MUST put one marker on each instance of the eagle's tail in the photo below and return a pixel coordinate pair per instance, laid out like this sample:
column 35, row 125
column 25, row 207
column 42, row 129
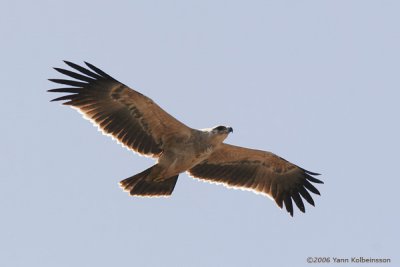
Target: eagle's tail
column 137, row 185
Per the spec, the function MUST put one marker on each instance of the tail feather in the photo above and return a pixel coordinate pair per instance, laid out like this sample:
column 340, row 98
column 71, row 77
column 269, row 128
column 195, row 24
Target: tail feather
column 137, row 185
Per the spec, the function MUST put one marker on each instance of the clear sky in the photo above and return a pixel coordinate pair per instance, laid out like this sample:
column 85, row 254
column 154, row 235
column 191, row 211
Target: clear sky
column 316, row 82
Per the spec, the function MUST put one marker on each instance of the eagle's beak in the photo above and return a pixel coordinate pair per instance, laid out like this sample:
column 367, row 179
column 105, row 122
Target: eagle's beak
column 230, row 130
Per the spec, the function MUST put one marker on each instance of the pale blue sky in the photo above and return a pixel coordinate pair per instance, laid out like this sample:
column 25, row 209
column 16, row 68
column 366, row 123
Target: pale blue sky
column 316, row 82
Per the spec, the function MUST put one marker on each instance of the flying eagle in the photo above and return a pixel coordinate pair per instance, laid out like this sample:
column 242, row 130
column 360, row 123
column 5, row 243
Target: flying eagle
column 139, row 124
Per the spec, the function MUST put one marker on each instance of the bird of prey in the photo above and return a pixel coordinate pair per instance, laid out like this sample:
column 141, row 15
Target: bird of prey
column 139, row 124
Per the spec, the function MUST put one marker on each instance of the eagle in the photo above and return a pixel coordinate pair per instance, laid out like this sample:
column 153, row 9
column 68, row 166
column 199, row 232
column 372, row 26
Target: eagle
column 142, row 126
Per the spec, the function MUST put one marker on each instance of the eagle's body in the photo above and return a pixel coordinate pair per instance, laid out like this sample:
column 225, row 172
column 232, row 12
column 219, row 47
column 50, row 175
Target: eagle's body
column 189, row 151
column 138, row 123
column 182, row 154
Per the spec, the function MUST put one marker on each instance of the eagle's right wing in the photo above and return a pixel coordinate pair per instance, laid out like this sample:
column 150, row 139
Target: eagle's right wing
column 258, row 171
column 125, row 114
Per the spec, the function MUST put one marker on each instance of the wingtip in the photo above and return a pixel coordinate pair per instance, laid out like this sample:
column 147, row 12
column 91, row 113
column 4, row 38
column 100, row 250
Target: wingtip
column 313, row 179
column 312, row 173
column 88, row 64
column 69, row 63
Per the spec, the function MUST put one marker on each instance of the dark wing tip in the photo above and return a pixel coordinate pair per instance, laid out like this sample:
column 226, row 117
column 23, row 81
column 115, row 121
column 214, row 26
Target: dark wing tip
column 279, row 200
column 288, row 204
column 98, row 71
column 312, row 173
column 71, row 64
column 301, row 193
column 297, row 200
column 66, row 97
column 304, row 193
column 313, row 179
column 310, row 187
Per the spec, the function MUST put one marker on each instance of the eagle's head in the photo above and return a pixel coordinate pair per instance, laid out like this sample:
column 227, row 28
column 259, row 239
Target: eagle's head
column 222, row 130
column 218, row 134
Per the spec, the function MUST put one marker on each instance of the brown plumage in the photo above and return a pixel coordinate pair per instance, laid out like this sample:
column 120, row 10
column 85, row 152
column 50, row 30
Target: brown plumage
column 139, row 124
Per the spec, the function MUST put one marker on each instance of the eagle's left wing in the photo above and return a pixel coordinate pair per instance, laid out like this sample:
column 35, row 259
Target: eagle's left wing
column 130, row 117
column 258, row 171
